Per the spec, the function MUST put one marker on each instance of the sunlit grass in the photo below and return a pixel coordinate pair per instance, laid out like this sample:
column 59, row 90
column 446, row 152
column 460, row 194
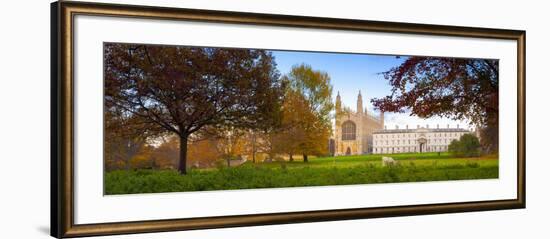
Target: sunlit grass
column 343, row 170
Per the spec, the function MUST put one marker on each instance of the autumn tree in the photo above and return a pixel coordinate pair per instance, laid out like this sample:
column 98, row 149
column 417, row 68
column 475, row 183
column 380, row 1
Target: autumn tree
column 145, row 158
column 166, row 151
column 260, row 141
column 458, row 88
column 122, row 140
column 203, row 153
column 296, row 113
column 185, row 89
column 253, row 141
column 269, row 141
column 230, row 144
column 314, row 120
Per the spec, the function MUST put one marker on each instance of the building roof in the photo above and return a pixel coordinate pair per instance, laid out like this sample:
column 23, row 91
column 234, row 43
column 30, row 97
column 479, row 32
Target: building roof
column 423, row 130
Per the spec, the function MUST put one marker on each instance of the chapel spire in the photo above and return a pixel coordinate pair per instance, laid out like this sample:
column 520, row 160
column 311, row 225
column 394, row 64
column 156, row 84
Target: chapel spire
column 359, row 103
column 338, row 104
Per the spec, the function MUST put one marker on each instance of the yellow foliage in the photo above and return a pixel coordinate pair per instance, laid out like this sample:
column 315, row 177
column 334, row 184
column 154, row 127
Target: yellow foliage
column 202, row 153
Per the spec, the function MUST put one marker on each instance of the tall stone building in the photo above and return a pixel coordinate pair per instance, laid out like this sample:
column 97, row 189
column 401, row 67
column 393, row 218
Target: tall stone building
column 353, row 129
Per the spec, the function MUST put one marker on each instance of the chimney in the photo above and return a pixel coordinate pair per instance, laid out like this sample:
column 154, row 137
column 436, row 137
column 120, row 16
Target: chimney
column 407, row 126
column 385, row 127
column 396, row 126
column 418, row 126
column 447, row 126
column 457, row 126
column 438, row 126
column 427, row 126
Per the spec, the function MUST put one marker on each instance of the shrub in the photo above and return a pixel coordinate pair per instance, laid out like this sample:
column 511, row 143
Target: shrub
column 472, row 164
column 467, row 146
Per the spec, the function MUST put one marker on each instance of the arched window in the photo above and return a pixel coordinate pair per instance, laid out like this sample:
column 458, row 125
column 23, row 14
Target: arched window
column 348, row 130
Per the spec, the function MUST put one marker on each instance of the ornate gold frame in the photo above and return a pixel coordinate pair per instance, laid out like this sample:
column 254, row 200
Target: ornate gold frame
column 62, row 118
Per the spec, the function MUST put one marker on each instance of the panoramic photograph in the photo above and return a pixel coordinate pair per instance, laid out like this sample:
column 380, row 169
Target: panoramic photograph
column 187, row 118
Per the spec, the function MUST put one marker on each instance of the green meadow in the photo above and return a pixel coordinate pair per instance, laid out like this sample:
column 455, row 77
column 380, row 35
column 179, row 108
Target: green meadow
column 340, row 170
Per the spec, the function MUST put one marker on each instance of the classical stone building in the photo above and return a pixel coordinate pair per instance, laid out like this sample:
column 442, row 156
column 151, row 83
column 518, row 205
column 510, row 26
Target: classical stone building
column 353, row 129
column 421, row 139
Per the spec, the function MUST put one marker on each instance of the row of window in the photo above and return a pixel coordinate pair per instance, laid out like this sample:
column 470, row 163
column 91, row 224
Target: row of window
column 404, row 142
column 412, row 149
column 349, row 133
column 387, row 136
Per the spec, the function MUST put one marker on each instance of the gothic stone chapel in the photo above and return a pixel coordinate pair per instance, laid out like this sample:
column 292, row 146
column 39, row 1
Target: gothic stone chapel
column 353, row 130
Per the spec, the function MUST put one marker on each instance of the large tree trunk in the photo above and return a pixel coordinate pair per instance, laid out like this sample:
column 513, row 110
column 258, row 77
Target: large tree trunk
column 488, row 133
column 305, row 158
column 489, row 139
column 182, row 168
column 290, row 158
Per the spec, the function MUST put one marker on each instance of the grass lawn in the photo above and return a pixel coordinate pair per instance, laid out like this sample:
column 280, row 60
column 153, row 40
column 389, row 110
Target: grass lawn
column 341, row 170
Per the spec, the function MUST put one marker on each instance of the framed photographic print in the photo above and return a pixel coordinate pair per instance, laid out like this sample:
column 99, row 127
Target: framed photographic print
column 173, row 119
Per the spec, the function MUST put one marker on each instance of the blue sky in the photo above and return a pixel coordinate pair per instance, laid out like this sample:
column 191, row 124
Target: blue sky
column 353, row 72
